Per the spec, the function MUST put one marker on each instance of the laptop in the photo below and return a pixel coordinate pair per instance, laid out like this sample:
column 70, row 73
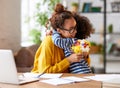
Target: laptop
column 8, row 70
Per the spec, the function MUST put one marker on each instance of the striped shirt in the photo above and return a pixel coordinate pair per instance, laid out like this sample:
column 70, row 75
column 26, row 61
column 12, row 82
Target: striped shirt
column 66, row 44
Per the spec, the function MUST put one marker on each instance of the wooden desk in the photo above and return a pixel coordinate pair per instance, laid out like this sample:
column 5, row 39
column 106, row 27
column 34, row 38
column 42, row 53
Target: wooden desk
column 88, row 84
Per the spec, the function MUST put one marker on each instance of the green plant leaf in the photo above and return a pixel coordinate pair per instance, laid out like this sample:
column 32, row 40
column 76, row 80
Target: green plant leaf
column 35, row 35
column 41, row 18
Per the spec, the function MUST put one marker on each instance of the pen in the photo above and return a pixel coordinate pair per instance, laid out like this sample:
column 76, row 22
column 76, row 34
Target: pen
column 42, row 72
column 40, row 75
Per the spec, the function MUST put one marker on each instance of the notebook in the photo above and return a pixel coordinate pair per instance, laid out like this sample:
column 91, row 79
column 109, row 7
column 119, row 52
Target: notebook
column 8, row 71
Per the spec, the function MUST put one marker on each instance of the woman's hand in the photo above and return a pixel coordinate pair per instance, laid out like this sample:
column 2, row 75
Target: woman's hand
column 74, row 58
column 85, row 55
column 49, row 32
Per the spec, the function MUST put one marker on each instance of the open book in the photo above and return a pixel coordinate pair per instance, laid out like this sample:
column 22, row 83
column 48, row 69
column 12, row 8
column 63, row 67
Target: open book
column 64, row 80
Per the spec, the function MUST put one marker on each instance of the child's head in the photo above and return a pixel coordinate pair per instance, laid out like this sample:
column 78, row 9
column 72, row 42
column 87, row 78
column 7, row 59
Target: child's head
column 84, row 27
column 63, row 22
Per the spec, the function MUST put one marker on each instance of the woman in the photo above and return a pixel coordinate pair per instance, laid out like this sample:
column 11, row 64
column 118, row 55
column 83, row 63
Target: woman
column 50, row 58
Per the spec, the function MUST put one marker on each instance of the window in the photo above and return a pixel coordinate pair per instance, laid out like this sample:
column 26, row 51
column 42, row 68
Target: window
column 29, row 19
column 28, row 8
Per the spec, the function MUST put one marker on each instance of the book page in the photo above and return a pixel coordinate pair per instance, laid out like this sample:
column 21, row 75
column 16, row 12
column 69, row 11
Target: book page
column 57, row 81
column 76, row 79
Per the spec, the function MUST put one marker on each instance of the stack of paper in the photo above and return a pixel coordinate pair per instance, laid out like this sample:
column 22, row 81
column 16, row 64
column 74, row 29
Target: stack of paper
column 107, row 79
column 64, row 80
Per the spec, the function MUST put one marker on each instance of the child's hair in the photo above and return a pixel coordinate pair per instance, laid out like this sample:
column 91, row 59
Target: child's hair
column 84, row 27
column 59, row 16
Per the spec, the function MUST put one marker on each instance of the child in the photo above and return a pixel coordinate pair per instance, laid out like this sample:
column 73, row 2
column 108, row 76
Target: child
column 84, row 29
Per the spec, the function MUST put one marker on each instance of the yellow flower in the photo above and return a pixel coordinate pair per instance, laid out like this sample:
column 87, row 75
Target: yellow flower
column 80, row 46
column 76, row 49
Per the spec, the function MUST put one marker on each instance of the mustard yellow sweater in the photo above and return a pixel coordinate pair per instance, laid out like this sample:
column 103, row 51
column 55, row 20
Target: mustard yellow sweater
column 50, row 58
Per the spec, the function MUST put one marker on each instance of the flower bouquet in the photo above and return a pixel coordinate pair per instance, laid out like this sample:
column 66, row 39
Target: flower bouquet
column 81, row 46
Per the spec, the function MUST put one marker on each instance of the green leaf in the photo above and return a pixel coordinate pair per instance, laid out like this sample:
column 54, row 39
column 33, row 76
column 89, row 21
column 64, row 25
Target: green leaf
column 35, row 35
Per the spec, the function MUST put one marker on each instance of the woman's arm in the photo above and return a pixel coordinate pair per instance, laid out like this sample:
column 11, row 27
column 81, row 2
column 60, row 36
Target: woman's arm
column 50, row 59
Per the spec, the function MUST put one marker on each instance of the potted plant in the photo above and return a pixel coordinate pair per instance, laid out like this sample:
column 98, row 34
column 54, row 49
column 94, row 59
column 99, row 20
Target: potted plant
column 110, row 28
column 75, row 6
column 95, row 48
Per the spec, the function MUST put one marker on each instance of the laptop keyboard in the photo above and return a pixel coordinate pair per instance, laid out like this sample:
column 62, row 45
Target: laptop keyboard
column 21, row 79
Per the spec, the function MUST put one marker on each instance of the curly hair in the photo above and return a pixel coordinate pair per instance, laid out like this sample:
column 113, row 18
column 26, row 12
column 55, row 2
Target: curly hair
column 59, row 16
column 84, row 27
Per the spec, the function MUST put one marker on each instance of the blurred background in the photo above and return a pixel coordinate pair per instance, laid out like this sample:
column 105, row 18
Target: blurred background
column 22, row 28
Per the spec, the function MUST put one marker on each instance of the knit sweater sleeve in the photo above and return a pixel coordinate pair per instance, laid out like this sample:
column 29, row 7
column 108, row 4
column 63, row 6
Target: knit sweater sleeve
column 50, row 59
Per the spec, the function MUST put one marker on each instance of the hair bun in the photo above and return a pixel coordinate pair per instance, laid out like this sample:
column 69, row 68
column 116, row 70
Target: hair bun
column 59, row 8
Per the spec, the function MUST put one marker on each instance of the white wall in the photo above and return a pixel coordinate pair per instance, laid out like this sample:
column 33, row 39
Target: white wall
column 10, row 33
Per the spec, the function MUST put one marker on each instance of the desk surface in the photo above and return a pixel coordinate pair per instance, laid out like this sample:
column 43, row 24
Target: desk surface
column 88, row 84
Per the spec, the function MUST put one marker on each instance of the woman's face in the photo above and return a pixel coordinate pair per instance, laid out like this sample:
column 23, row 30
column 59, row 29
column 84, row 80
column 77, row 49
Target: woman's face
column 69, row 28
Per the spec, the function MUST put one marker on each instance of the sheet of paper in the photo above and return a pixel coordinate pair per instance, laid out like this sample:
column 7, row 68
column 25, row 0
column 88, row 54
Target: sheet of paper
column 57, row 81
column 64, row 80
column 110, row 78
column 76, row 79
column 51, row 75
column 45, row 75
